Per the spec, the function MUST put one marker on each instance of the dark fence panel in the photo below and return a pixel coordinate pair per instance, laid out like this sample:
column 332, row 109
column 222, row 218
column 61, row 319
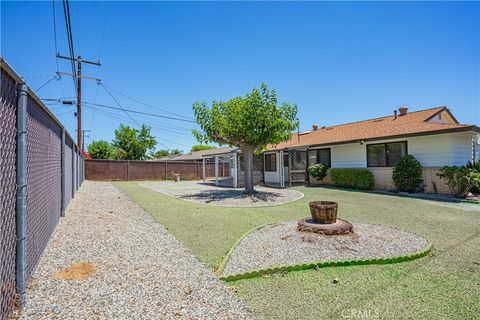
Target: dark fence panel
column 43, row 181
column 108, row 170
column 8, row 191
column 186, row 170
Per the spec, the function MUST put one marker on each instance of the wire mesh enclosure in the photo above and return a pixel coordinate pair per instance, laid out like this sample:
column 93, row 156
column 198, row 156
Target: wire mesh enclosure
column 39, row 161
column 257, row 170
column 298, row 165
column 44, row 180
column 8, row 187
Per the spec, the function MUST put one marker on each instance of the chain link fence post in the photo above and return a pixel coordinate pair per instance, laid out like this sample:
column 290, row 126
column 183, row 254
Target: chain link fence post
column 62, row 163
column 21, row 210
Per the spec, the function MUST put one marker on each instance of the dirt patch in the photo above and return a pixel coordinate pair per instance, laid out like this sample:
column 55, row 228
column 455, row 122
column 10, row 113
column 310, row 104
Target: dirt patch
column 77, row 271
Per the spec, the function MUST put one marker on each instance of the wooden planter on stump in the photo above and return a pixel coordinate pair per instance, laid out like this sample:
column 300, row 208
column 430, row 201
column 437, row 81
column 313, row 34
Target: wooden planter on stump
column 324, row 212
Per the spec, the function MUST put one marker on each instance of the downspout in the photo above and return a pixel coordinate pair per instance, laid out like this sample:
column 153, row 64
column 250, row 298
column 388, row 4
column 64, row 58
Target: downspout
column 21, row 209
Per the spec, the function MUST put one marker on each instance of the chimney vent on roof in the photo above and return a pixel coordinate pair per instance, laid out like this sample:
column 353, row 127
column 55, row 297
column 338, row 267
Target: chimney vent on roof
column 403, row 111
column 395, row 114
column 315, row 127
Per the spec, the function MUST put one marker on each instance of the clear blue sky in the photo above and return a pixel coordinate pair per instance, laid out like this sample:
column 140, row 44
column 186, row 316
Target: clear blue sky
column 339, row 62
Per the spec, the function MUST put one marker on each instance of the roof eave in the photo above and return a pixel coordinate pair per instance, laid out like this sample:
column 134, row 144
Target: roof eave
column 416, row 134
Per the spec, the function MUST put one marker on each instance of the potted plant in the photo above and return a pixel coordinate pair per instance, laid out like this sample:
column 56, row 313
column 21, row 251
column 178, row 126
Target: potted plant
column 323, row 212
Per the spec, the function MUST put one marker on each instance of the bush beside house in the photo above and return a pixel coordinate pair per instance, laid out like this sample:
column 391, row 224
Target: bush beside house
column 461, row 180
column 352, row 178
column 318, row 171
column 407, row 174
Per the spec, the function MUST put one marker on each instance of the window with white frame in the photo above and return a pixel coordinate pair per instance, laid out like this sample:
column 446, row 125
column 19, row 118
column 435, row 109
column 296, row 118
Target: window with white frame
column 271, row 162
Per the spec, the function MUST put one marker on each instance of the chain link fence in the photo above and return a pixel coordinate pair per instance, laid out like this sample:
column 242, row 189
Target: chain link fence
column 8, row 184
column 53, row 168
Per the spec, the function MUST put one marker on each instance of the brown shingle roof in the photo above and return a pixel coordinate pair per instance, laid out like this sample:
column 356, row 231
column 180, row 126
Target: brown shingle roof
column 385, row 127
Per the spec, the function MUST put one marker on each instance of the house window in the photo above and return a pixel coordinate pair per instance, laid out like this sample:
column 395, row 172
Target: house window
column 271, row 162
column 322, row 156
column 285, row 160
column 385, row 154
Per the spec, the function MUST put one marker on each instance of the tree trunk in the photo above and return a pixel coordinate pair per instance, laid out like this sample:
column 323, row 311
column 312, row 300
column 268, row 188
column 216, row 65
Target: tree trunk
column 248, row 165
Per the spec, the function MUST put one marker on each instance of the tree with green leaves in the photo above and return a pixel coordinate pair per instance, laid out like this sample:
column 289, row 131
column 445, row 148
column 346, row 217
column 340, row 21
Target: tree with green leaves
column 100, row 149
column 162, row 153
column 176, row 152
column 201, row 147
column 250, row 123
column 133, row 144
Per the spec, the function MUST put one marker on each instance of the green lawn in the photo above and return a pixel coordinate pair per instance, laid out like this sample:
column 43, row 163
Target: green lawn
column 443, row 285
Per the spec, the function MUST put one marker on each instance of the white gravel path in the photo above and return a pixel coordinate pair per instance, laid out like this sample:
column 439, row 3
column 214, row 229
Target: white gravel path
column 281, row 244
column 196, row 191
column 142, row 271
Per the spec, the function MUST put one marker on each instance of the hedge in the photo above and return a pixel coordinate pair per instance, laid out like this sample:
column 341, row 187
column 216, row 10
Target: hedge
column 352, row 178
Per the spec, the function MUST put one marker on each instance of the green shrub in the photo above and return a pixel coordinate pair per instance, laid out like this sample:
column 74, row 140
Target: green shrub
column 456, row 179
column 318, row 170
column 100, row 149
column 474, row 175
column 352, row 178
column 462, row 179
column 407, row 174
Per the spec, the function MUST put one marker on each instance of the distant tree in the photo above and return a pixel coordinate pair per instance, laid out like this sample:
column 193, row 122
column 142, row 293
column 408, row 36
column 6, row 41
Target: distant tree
column 133, row 144
column 200, row 147
column 100, row 149
column 162, row 153
column 250, row 123
column 176, row 152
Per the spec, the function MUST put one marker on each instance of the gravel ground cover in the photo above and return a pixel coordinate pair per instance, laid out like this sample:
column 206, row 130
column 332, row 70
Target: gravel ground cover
column 196, row 191
column 108, row 259
column 281, row 244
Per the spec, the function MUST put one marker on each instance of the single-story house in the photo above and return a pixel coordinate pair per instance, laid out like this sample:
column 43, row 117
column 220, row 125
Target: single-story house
column 433, row 136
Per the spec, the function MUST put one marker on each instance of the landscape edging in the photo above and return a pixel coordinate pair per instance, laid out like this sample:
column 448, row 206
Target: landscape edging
column 222, row 265
column 327, row 263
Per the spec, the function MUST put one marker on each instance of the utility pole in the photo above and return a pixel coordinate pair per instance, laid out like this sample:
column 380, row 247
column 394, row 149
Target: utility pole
column 79, row 103
column 79, row 61
column 84, row 136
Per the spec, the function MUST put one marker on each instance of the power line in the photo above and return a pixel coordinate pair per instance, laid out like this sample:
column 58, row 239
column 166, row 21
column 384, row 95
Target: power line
column 138, row 112
column 55, row 32
column 43, row 85
column 111, row 115
column 118, row 103
column 149, row 122
column 146, row 104
column 68, row 26
column 123, row 119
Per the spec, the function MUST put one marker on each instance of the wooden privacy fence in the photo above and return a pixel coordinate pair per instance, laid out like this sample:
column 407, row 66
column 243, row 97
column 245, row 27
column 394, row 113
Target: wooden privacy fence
column 106, row 170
